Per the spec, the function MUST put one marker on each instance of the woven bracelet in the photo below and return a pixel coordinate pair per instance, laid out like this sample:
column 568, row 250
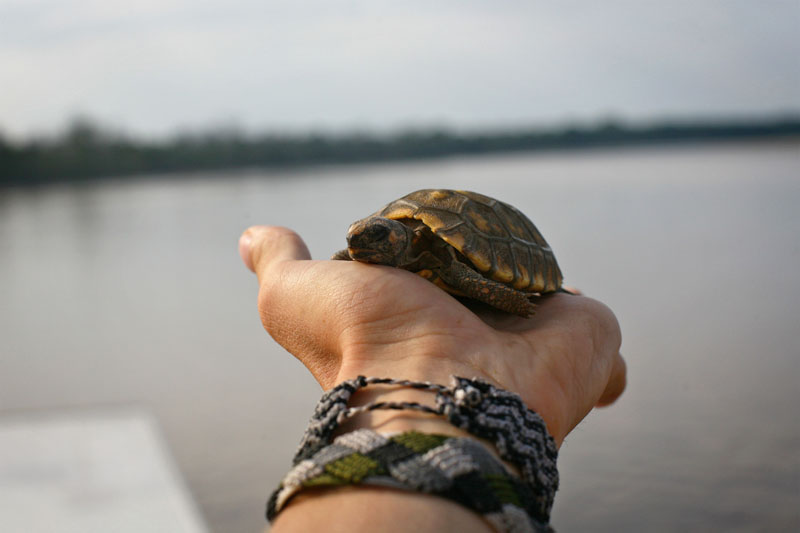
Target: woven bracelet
column 483, row 410
column 456, row 468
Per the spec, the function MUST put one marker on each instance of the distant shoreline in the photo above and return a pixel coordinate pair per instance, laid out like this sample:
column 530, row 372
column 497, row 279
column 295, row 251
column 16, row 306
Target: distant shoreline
column 87, row 152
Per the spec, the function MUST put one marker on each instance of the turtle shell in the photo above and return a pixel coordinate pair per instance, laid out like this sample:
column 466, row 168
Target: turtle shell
column 499, row 241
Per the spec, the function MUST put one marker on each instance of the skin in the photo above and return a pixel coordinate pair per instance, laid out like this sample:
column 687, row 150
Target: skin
column 342, row 319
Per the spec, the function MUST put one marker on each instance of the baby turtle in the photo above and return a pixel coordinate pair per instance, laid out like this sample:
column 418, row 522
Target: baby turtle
column 466, row 243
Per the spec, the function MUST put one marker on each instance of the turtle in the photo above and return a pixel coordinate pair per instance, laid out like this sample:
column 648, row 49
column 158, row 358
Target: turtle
column 468, row 244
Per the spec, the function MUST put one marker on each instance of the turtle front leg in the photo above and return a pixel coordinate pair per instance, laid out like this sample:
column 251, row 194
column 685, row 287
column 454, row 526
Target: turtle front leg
column 475, row 286
column 341, row 255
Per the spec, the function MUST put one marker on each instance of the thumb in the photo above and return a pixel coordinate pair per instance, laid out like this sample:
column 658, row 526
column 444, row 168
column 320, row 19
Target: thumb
column 288, row 299
column 262, row 247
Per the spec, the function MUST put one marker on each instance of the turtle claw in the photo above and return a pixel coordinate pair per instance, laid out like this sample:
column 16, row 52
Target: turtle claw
column 341, row 255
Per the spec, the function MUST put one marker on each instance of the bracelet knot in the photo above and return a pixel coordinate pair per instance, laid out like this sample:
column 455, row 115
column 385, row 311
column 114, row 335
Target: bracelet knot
column 467, row 396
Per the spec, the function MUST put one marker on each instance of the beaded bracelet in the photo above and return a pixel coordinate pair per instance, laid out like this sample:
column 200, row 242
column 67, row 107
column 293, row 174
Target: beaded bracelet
column 488, row 412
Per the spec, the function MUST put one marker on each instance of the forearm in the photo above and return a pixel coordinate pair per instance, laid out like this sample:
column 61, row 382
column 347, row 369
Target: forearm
column 364, row 508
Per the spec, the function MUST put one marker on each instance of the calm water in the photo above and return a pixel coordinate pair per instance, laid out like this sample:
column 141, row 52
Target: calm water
column 133, row 292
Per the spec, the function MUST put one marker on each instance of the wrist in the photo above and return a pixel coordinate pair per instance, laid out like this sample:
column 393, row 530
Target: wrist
column 435, row 463
column 389, row 422
column 394, row 421
column 539, row 394
column 414, row 363
column 430, row 368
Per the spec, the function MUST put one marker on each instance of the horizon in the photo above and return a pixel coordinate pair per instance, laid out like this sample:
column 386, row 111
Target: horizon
column 118, row 131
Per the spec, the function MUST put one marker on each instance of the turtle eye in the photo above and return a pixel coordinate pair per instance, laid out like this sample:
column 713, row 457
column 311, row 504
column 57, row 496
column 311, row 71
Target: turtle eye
column 378, row 232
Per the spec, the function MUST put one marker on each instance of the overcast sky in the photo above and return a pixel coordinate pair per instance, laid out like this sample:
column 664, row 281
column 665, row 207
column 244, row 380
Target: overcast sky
column 155, row 66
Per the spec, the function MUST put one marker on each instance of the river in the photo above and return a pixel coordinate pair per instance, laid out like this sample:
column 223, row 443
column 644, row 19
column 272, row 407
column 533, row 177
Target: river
column 131, row 291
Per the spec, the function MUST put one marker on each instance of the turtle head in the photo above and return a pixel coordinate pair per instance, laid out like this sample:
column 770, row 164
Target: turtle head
column 379, row 240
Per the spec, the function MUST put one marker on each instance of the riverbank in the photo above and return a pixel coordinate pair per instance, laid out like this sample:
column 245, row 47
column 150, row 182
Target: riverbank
column 89, row 152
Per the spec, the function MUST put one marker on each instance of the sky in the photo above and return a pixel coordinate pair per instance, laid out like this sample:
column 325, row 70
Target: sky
column 155, row 67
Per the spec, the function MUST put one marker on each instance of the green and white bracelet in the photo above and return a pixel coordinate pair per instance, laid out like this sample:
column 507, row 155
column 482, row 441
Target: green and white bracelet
column 457, row 468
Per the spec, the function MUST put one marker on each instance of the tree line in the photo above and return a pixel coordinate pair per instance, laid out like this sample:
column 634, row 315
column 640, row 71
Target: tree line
column 87, row 151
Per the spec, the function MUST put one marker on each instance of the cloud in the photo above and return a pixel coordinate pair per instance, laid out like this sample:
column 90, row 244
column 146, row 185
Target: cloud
column 154, row 66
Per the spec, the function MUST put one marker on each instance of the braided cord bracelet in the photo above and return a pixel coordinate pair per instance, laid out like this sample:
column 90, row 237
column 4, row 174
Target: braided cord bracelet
column 457, row 468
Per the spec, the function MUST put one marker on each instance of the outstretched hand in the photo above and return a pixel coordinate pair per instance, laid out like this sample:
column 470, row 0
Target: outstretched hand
column 342, row 319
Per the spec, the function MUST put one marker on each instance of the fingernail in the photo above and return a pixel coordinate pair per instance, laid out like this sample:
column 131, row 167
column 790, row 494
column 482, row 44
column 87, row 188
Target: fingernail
column 244, row 250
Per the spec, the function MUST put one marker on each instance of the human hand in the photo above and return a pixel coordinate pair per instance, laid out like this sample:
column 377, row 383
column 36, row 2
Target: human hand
column 342, row 319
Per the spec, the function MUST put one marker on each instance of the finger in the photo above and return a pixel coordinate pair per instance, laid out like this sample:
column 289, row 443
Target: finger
column 261, row 247
column 616, row 382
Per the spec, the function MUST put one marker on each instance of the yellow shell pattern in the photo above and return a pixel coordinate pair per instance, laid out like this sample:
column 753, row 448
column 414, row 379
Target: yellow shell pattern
column 497, row 238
